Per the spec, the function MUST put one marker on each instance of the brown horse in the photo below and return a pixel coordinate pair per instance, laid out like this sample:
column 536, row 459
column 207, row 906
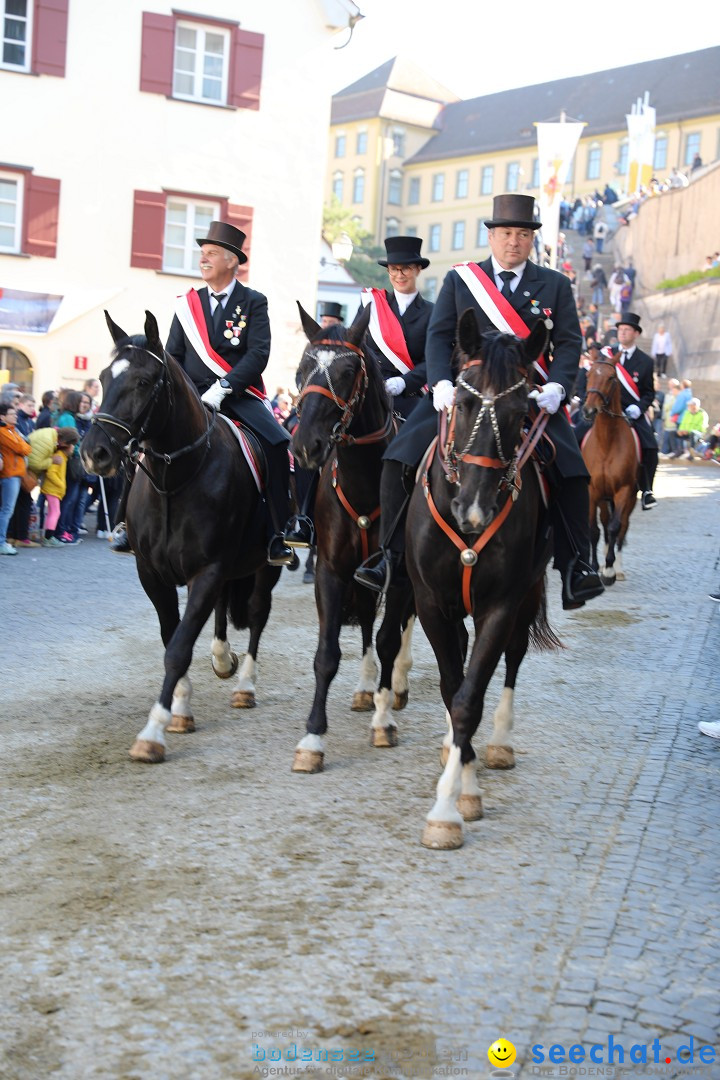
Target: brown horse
column 611, row 455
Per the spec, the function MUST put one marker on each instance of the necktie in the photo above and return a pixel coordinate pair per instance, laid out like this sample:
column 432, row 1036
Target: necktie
column 624, row 358
column 507, row 276
column 218, row 314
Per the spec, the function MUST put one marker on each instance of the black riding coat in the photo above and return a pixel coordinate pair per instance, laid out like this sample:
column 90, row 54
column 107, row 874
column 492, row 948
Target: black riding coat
column 414, row 325
column 248, row 359
column 640, row 367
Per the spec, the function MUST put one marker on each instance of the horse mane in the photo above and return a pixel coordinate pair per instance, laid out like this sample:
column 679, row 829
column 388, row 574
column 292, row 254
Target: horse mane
column 137, row 341
column 501, row 358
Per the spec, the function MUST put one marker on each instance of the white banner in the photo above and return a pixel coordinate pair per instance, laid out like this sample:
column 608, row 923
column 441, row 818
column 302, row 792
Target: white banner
column 641, row 147
column 556, row 145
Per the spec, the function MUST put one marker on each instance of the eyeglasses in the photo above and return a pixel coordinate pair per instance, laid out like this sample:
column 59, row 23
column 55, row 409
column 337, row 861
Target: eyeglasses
column 396, row 270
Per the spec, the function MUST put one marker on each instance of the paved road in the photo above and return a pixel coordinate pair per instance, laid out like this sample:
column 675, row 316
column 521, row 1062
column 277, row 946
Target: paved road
column 247, row 909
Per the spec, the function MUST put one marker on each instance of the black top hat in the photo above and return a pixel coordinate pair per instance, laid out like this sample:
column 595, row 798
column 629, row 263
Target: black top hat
column 631, row 319
column 404, row 251
column 330, row 309
column 514, row 211
column 226, row 236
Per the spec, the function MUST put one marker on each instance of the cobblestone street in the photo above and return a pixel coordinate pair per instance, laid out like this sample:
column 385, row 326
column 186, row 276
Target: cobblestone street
column 184, row 921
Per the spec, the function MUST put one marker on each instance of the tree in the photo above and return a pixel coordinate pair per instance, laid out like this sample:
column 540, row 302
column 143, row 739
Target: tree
column 363, row 262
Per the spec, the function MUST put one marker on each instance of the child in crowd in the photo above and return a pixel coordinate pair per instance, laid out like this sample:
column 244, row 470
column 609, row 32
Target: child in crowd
column 54, row 484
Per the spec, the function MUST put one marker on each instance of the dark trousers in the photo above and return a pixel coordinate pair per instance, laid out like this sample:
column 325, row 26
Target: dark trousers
column 19, row 526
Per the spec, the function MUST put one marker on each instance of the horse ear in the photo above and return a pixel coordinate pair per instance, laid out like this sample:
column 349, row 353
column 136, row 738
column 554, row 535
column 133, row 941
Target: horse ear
column 356, row 332
column 468, row 333
column 115, row 331
column 311, row 328
column 536, row 341
column 152, row 334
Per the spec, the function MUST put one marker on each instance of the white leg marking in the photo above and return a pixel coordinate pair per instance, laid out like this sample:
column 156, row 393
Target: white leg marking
column 619, row 572
column 448, row 790
column 181, row 697
column 503, row 719
column 383, row 717
column 222, row 654
column 448, row 740
column 154, row 730
column 247, row 674
column 403, row 661
column 368, row 678
column 469, row 780
column 312, row 742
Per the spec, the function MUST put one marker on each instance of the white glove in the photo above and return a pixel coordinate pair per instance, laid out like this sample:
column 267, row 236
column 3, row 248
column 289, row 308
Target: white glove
column 215, row 394
column 550, row 397
column 632, row 412
column 395, row 385
column 443, row 395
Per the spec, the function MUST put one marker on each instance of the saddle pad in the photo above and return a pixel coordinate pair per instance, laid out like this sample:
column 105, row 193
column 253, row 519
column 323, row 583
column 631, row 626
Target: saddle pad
column 247, row 449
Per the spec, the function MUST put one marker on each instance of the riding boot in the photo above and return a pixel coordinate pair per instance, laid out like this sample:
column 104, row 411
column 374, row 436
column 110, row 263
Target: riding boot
column 300, row 529
column 395, row 490
column 119, row 542
column 277, row 484
column 647, row 477
column 570, row 513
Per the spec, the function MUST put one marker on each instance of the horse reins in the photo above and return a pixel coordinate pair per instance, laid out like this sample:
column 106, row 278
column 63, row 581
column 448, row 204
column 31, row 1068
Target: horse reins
column 605, row 398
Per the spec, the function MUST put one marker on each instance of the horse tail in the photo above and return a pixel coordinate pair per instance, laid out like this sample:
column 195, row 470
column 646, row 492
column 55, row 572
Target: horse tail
column 542, row 637
column 239, row 592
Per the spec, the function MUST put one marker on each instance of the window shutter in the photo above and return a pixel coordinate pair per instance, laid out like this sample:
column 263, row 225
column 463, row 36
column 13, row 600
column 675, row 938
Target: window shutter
column 49, row 45
column 148, row 230
column 245, row 69
column 241, row 217
column 40, row 217
column 158, row 43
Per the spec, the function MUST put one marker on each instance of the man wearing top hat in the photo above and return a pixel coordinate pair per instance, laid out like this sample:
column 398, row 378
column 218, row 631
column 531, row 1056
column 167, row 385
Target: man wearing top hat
column 330, row 314
column 220, row 335
column 532, row 292
column 637, row 392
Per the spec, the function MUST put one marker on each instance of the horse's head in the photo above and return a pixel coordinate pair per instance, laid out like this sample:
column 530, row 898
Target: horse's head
column 333, row 381
column 491, row 402
column 602, row 392
column 132, row 383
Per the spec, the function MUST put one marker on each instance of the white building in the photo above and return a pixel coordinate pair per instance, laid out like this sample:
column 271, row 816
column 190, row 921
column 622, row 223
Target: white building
column 127, row 127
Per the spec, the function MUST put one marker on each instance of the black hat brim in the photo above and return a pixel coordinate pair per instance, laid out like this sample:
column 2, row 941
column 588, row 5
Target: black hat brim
column 400, row 260
column 238, row 252
column 513, row 224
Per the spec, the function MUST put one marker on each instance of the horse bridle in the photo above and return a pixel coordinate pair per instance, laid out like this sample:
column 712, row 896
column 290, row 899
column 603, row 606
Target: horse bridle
column 132, row 452
column 605, row 398
column 340, row 433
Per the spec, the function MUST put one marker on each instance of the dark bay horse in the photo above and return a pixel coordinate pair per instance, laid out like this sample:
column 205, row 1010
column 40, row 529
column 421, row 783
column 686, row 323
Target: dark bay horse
column 194, row 518
column 611, row 453
column 345, row 422
column 477, row 544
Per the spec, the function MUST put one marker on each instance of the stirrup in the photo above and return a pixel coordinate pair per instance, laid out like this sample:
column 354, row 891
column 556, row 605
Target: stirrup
column 375, row 577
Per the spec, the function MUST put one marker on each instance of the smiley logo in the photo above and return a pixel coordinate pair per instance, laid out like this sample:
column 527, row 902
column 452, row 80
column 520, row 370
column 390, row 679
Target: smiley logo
column 501, row 1053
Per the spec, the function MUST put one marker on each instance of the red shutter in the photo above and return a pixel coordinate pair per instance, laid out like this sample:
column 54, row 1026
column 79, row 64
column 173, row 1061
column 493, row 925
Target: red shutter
column 40, row 216
column 158, row 43
column 245, row 69
column 50, row 37
column 148, row 229
column 241, row 217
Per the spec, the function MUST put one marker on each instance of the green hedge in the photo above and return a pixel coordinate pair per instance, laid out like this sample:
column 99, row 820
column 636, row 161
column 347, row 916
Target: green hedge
column 689, row 279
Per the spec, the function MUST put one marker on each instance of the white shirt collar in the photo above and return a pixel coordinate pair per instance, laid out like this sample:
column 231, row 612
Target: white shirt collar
column 518, row 270
column 404, row 300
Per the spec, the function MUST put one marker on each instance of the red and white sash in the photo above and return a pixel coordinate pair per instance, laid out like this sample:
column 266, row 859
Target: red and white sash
column 189, row 311
column 627, row 381
column 386, row 330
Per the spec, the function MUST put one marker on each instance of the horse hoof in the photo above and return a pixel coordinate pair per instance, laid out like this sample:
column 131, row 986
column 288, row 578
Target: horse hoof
column 608, row 581
column 308, row 761
column 362, row 701
column 183, row 725
column 385, row 736
column 150, row 752
column 620, row 576
column 442, row 835
column 243, row 699
column 400, row 700
column 227, row 674
column 444, row 755
column 471, row 807
column 499, row 757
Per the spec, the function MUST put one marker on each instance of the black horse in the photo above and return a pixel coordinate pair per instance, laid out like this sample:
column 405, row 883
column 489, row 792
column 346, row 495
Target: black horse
column 344, row 427
column 478, row 544
column 194, row 518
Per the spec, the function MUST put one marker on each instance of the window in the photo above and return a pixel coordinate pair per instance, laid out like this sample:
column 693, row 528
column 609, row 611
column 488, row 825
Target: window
column 395, row 187
column 660, row 155
column 486, row 180
column 33, row 36
column 392, row 227
column 624, row 154
column 200, row 69
column 411, row 230
column 398, row 141
column 593, row 162
column 434, row 238
column 15, row 16
column 358, row 186
column 438, row 187
column 166, row 225
column 429, row 289
column 535, row 182
column 185, row 222
column 513, row 176
column 458, row 235
column 692, row 147
column 361, row 142
column 338, row 185
column 11, row 193
column 414, row 192
column 461, row 184
column 340, row 144
column 481, row 238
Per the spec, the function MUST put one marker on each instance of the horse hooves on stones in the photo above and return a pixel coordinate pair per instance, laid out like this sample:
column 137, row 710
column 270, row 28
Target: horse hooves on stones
column 152, row 753
column 243, row 699
column 308, row 761
column 471, row 807
column 363, row 701
column 620, row 576
column 383, row 737
column 228, row 674
column 442, row 835
column 608, row 581
column 499, row 757
column 400, row 700
column 183, row 725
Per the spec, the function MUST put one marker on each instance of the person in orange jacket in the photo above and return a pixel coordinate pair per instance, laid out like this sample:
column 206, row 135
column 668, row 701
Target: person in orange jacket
column 13, row 450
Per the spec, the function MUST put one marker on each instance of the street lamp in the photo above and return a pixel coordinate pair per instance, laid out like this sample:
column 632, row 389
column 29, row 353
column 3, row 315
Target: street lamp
column 342, row 248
